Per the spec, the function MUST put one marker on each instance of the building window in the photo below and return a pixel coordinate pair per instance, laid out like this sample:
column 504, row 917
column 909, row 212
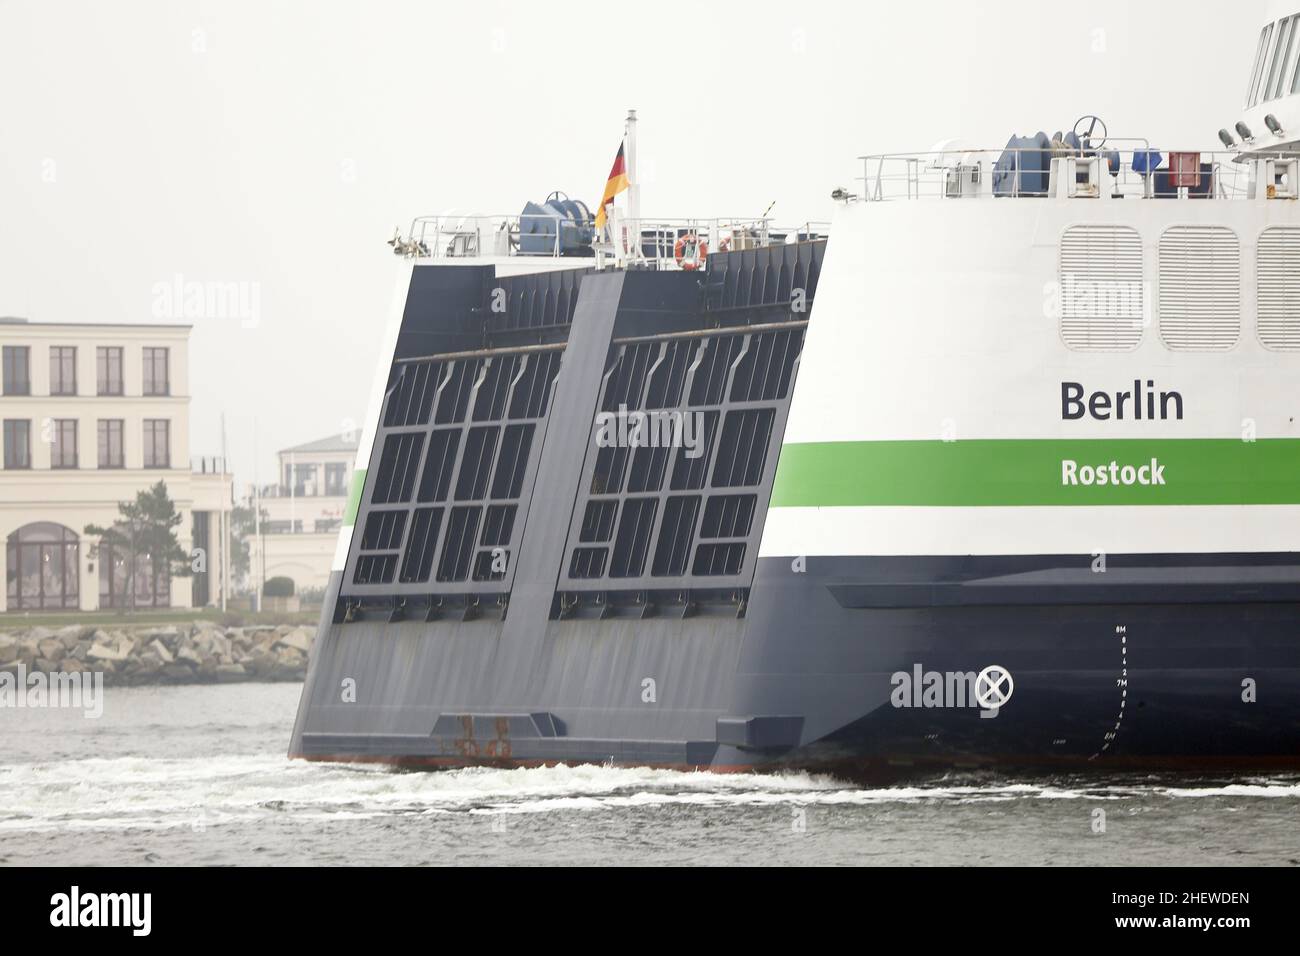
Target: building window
column 17, row 375
column 63, row 453
column 303, row 480
column 132, row 578
column 157, row 443
column 108, row 368
column 18, row 443
column 110, row 443
column 43, row 570
column 63, row 370
column 155, row 372
column 336, row 478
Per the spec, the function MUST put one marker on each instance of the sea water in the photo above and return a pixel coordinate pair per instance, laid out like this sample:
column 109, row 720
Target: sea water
column 198, row 775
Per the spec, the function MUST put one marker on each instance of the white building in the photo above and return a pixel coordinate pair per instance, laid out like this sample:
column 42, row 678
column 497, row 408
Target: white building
column 303, row 511
column 93, row 414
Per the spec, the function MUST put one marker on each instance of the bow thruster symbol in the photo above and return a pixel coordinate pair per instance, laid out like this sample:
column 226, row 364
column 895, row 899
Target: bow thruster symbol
column 994, row 687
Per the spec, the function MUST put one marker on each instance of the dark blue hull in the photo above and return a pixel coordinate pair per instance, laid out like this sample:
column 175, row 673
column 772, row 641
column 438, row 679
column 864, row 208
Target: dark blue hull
column 804, row 682
column 1156, row 677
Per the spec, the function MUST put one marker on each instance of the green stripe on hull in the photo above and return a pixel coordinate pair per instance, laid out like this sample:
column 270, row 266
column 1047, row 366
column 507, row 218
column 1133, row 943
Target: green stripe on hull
column 354, row 497
column 993, row 472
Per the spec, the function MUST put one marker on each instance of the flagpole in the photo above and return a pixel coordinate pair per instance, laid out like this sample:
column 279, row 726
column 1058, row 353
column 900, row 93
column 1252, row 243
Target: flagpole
column 634, row 184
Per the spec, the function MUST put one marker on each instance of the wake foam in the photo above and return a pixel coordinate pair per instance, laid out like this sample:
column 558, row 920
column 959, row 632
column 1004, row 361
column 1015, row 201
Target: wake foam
column 138, row 792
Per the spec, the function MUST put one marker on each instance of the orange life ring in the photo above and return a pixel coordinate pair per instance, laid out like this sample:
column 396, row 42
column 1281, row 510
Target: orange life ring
column 700, row 250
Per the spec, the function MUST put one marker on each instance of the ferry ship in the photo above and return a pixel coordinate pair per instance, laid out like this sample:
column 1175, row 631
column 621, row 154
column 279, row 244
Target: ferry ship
column 1002, row 466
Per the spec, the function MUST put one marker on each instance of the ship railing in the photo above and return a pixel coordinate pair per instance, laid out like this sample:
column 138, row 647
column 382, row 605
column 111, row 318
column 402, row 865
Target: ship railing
column 472, row 236
column 1130, row 168
column 674, row 243
column 652, row 243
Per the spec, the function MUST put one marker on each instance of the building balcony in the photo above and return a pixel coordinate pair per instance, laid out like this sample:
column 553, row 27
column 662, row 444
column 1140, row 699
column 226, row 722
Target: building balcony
column 303, row 490
column 208, row 465
column 318, row 526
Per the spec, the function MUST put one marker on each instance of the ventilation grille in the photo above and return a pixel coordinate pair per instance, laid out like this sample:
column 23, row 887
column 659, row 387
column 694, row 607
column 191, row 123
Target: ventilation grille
column 1279, row 288
column 1102, row 300
column 534, row 301
column 775, row 275
column 659, row 513
column 456, row 444
column 1200, row 288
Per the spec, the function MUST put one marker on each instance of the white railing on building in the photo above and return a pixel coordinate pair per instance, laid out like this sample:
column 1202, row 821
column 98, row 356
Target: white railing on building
column 308, row 489
column 208, row 465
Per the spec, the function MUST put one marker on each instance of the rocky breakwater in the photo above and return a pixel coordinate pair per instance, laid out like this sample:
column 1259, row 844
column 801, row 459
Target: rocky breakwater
column 199, row 653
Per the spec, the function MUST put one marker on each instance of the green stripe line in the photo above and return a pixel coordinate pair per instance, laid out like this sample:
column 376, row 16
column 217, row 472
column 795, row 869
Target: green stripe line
column 354, row 497
column 992, row 472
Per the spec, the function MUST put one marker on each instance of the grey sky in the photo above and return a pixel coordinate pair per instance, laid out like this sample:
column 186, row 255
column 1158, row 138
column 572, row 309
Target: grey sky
column 280, row 143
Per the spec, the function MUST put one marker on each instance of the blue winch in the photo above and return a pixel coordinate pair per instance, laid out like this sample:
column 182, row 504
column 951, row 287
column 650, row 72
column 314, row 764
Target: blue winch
column 560, row 226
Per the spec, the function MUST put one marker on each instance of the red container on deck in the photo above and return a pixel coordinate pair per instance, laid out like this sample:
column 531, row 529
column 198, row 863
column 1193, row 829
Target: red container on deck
column 1185, row 170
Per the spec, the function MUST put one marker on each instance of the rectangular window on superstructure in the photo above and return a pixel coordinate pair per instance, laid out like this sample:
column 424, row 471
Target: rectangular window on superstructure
column 63, row 370
column 1290, row 47
column 1293, row 68
column 63, row 453
column 155, row 372
column 110, row 443
column 1257, row 73
column 17, row 374
column 157, row 443
column 1277, row 74
column 1295, row 73
column 18, row 443
column 108, row 369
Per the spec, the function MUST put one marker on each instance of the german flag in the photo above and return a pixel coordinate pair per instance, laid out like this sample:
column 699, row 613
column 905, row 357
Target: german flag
column 616, row 184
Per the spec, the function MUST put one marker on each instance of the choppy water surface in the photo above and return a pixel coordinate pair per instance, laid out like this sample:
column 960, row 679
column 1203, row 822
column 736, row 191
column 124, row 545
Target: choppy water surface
column 197, row 775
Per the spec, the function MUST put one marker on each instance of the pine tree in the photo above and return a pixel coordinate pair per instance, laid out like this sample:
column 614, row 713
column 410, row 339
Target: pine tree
column 147, row 526
column 242, row 527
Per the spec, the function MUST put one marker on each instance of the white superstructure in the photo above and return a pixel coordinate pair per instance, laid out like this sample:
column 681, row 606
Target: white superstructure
column 1270, row 115
column 1076, row 344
